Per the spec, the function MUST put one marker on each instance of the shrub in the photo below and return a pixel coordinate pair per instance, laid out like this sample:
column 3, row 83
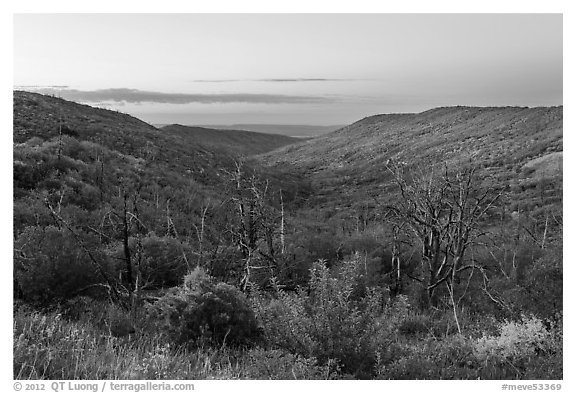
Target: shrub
column 328, row 324
column 449, row 358
column 82, row 308
column 47, row 346
column 165, row 260
column 101, row 314
column 543, row 286
column 204, row 311
column 258, row 363
column 524, row 349
column 118, row 322
column 516, row 340
column 49, row 266
column 414, row 325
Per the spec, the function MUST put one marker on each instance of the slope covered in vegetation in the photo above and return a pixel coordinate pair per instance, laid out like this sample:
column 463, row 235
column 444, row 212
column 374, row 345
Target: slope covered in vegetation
column 194, row 151
column 403, row 246
column 111, row 178
column 504, row 141
column 245, row 143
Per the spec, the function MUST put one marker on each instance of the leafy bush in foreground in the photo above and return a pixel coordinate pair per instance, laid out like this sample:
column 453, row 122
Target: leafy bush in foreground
column 517, row 340
column 329, row 323
column 522, row 350
column 204, row 311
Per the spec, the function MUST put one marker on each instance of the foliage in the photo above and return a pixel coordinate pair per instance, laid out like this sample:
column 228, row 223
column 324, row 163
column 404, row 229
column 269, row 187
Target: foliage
column 47, row 346
column 49, row 265
column 162, row 261
column 97, row 191
column 328, row 323
column 413, row 325
column 523, row 350
column 278, row 364
column 204, row 311
column 165, row 261
column 543, row 286
column 449, row 358
column 516, row 340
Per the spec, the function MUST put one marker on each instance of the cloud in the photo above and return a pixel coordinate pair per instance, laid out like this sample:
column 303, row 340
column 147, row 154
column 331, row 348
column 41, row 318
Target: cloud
column 220, row 80
column 141, row 96
column 304, row 80
column 280, row 80
column 37, row 87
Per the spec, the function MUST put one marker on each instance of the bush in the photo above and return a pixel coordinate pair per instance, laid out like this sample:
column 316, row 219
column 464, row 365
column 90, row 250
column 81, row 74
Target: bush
column 328, row 323
column 277, row 364
column 47, row 346
column 524, row 349
column 203, row 311
column 83, row 308
column 103, row 315
column 543, row 286
column 449, row 358
column 49, row 266
column 414, row 325
column 516, row 340
column 163, row 262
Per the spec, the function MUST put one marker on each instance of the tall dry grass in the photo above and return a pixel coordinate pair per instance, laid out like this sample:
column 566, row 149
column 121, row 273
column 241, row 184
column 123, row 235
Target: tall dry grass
column 46, row 346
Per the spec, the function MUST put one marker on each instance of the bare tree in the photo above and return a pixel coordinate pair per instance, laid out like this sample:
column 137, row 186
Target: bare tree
column 282, row 226
column 255, row 223
column 200, row 233
column 445, row 213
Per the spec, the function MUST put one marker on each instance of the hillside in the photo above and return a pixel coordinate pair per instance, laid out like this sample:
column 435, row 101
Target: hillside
column 101, row 154
column 244, row 143
column 146, row 243
column 40, row 116
column 515, row 146
column 195, row 151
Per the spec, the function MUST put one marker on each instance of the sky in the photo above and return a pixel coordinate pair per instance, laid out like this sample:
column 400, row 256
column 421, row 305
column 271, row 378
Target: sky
column 317, row 69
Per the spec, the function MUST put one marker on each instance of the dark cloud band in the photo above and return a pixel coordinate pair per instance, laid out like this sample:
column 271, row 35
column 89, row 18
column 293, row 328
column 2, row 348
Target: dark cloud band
column 305, row 80
column 37, row 87
column 279, row 80
column 141, row 96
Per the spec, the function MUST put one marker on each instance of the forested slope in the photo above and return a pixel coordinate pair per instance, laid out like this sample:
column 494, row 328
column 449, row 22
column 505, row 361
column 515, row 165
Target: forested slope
column 413, row 246
column 517, row 149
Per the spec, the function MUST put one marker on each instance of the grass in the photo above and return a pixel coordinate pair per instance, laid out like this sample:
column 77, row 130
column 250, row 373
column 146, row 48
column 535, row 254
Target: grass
column 46, row 346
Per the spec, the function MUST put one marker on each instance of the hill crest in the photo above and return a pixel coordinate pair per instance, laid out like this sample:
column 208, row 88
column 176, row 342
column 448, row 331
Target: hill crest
column 350, row 164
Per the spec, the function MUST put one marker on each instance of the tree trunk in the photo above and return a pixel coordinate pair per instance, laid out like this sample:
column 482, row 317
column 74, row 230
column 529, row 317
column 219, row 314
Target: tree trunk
column 127, row 257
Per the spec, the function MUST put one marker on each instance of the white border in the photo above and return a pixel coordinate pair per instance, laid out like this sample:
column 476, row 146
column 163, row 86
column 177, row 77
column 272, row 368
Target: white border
column 295, row 6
